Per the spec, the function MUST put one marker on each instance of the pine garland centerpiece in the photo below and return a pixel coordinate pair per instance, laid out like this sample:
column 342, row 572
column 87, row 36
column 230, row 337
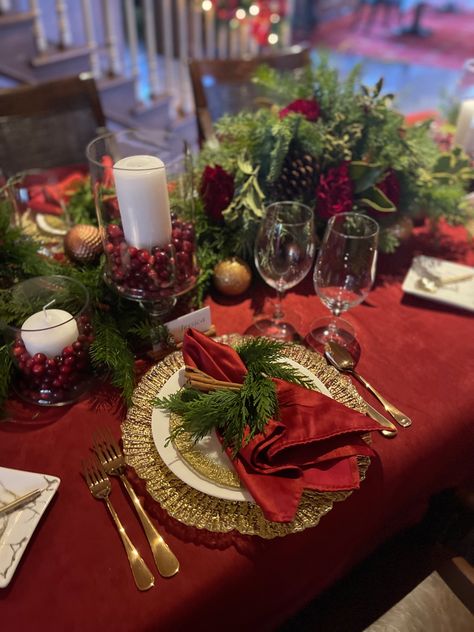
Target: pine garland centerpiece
column 335, row 145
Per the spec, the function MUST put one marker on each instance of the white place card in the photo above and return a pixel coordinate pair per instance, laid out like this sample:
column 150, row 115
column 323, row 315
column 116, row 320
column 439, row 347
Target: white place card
column 200, row 320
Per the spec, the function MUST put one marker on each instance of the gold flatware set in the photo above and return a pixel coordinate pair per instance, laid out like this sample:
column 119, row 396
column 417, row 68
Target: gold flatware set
column 111, row 461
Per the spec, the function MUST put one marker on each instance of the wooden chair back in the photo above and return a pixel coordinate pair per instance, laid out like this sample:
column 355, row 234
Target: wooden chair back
column 223, row 86
column 49, row 124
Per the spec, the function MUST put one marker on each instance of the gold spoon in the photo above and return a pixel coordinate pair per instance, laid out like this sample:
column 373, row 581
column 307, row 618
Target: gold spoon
column 343, row 361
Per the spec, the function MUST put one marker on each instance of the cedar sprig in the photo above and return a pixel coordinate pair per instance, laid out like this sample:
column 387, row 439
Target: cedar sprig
column 238, row 415
column 265, row 356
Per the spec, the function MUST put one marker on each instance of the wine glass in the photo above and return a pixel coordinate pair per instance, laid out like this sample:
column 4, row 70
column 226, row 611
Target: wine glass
column 284, row 251
column 343, row 275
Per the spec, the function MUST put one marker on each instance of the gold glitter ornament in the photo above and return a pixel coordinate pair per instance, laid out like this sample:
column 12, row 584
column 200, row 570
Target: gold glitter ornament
column 82, row 243
column 232, row 276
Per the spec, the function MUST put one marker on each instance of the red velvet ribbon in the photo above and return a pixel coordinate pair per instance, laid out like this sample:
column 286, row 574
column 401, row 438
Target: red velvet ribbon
column 313, row 445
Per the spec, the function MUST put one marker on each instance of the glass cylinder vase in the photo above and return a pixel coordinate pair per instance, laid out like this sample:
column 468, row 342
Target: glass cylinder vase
column 150, row 251
column 49, row 340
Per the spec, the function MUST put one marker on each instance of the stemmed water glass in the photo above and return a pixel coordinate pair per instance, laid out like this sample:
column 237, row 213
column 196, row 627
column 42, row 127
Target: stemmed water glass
column 343, row 275
column 284, row 251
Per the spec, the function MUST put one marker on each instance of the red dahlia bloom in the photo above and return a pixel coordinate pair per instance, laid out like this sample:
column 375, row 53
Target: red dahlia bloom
column 217, row 191
column 309, row 108
column 335, row 192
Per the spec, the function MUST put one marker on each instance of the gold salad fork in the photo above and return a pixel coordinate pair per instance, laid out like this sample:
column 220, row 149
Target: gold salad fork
column 100, row 487
column 113, row 461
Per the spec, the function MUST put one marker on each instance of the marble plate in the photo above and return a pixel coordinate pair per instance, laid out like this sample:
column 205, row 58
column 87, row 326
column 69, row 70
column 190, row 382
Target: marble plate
column 17, row 527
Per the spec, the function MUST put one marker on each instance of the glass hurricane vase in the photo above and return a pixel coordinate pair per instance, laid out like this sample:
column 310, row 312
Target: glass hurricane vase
column 149, row 250
column 49, row 340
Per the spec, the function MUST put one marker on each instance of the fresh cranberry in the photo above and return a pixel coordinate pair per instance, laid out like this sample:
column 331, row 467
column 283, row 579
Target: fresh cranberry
column 115, row 232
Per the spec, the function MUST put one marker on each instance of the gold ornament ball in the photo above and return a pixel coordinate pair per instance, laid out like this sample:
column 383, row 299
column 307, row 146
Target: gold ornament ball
column 232, row 276
column 82, row 243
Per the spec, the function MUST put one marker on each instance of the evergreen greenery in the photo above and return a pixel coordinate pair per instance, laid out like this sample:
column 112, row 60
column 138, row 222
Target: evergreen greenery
column 357, row 125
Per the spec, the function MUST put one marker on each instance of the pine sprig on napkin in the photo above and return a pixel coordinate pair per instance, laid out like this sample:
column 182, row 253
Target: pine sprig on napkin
column 238, row 415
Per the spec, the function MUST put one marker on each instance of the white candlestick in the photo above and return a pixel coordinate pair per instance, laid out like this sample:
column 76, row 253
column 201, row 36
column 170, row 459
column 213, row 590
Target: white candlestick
column 464, row 135
column 49, row 331
column 142, row 195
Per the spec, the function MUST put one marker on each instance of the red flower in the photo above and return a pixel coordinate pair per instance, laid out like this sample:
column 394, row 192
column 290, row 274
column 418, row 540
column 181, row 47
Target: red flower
column 217, row 191
column 390, row 185
column 309, row 108
column 335, row 192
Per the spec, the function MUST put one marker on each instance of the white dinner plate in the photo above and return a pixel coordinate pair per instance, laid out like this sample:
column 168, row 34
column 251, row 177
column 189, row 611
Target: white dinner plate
column 17, row 527
column 459, row 294
column 209, row 446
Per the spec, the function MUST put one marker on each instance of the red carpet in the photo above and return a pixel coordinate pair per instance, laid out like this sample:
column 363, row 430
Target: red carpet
column 451, row 41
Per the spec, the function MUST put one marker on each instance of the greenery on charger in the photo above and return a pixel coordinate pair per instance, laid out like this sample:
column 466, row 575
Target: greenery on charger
column 118, row 324
column 238, row 415
column 357, row 125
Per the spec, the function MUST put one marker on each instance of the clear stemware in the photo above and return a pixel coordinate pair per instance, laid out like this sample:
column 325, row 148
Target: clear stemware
column 284, row 252
column 343, row 275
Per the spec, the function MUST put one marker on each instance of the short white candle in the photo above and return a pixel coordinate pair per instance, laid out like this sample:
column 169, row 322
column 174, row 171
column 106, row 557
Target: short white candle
column 142, row 195
column 49, row 331
column 464, row 136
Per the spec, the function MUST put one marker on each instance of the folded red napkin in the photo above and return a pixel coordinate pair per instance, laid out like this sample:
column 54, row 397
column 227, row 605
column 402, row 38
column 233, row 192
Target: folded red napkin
column 51, row 198
column 313, row 445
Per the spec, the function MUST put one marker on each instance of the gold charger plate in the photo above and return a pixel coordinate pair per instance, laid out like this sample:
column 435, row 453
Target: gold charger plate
column 197, row 509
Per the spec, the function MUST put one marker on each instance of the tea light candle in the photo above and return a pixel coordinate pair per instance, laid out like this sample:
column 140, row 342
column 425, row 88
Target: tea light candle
column 49, row 331
column 464, row 135
column 142, row 194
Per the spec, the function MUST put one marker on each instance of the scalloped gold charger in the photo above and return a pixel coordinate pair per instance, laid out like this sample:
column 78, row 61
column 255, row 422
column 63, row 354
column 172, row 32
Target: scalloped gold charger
column 197, row 509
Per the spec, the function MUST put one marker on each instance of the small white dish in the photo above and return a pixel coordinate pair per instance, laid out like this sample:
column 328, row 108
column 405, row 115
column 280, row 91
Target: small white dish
column 17, row 527
column 460, row 294
column 210, row 445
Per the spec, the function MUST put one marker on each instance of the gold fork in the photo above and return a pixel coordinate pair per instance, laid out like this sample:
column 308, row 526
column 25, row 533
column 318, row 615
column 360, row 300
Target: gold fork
column 99, row 486
column 112, row 459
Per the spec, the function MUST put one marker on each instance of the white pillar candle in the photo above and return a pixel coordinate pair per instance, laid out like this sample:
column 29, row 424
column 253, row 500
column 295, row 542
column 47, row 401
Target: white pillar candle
column 464, row 135
column 142, row 194
column 49, row 331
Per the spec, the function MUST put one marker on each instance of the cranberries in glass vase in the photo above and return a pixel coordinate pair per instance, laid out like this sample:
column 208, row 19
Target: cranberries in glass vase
column 57, row 380
column 151, row 273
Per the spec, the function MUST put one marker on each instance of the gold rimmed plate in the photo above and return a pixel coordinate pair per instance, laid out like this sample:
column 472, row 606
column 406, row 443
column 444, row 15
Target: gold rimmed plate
column 205, row 507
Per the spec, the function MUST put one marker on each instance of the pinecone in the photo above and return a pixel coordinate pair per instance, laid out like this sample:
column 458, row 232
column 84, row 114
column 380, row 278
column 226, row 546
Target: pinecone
column 298, row 177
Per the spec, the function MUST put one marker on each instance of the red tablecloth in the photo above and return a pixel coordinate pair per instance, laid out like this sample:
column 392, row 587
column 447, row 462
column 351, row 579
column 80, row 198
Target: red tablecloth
column 74, row 574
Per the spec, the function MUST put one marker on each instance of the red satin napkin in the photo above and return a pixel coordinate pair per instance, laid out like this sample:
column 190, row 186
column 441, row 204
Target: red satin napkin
column 313, row 445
